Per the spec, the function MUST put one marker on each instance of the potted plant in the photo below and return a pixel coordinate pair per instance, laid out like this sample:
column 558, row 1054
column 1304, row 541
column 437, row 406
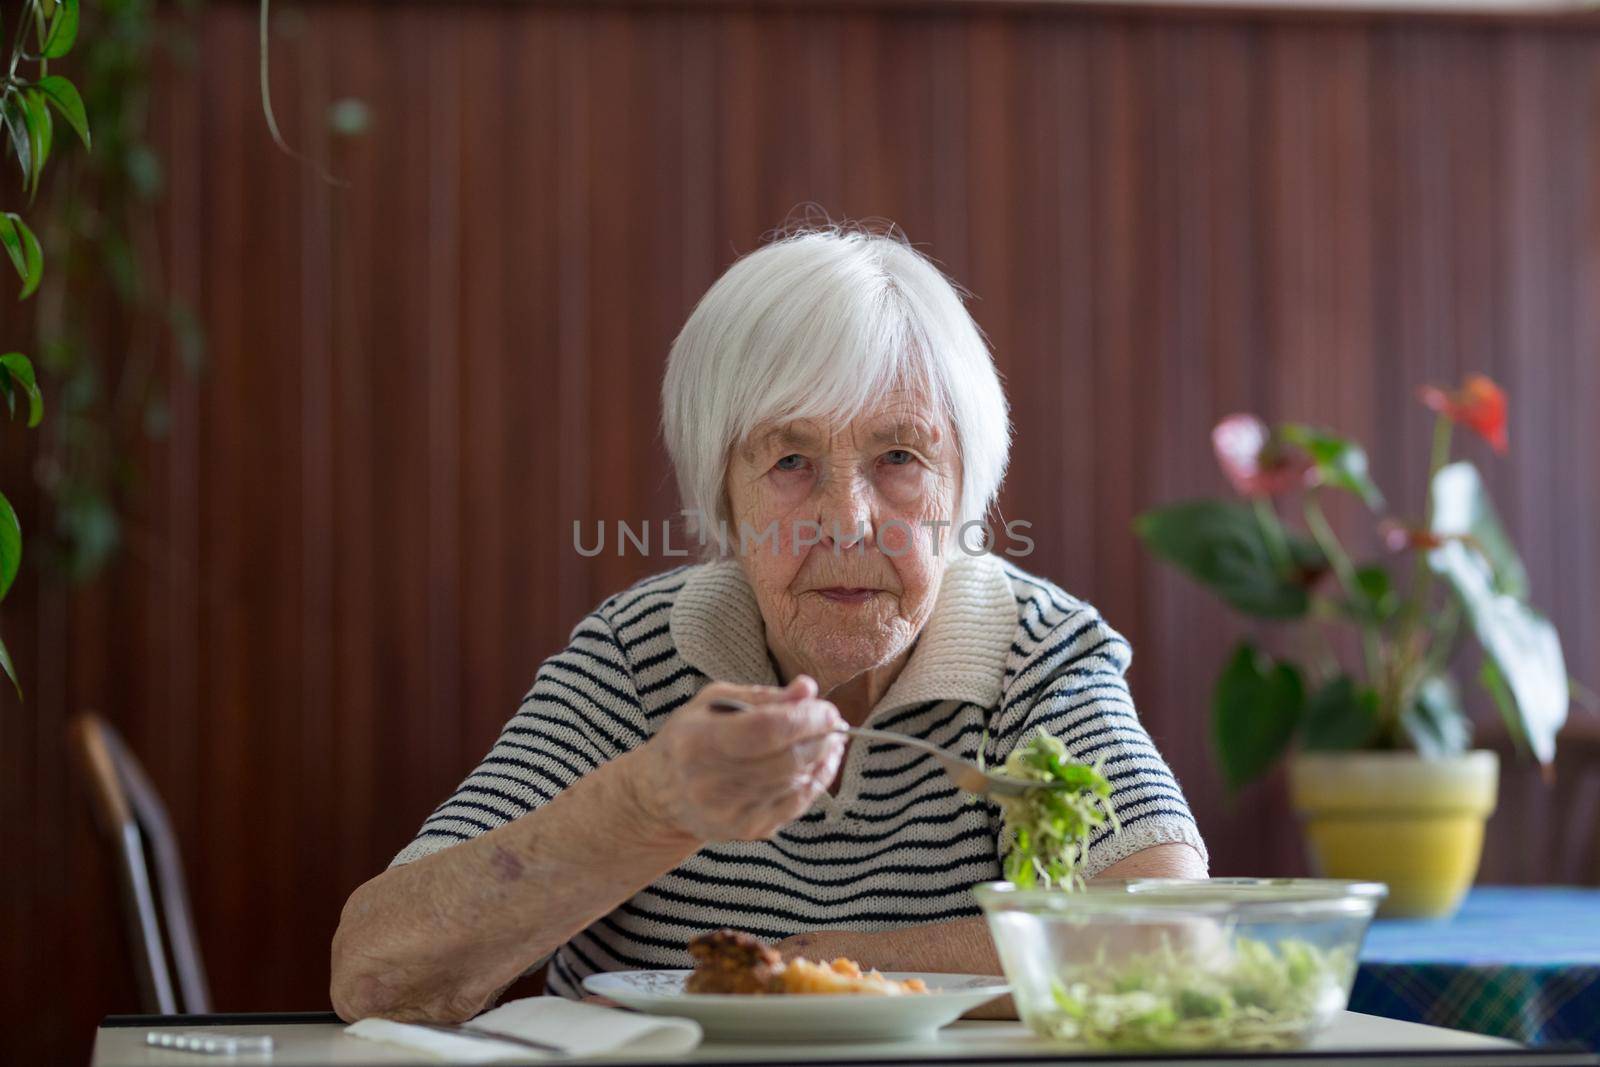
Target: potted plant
column 1381, row 772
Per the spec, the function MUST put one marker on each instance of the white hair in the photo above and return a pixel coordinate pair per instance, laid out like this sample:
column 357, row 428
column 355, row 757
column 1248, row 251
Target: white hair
column 823, row 324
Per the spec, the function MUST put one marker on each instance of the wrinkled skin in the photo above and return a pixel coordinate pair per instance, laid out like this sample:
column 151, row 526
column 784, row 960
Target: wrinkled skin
column 720, row 777
column 863, row 492
column 438, row 939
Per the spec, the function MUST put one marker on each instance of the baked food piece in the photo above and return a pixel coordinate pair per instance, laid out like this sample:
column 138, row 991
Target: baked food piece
column 844, row 976
column 727, row 961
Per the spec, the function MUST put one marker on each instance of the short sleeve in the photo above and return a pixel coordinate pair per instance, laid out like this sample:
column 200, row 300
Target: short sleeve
column 1072, row 683
column 583, row 710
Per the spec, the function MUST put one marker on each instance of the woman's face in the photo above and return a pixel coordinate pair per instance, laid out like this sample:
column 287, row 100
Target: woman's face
column 848, row 574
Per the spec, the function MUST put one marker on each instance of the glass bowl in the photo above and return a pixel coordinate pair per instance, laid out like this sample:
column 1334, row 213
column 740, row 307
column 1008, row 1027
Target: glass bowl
column 1148, row 964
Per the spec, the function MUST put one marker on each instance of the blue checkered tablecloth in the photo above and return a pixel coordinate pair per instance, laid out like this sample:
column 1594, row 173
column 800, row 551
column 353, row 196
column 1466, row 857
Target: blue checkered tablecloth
column 1517, row 962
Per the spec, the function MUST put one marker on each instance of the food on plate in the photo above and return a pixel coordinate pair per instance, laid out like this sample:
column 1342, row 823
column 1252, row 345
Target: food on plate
column 727, row 961
column 1262, row 997
column 843, row 976
column 1050, row 827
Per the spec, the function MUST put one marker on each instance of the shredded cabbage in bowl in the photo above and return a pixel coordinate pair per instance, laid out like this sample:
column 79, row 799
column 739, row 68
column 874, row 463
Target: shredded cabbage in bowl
column 1266, row 997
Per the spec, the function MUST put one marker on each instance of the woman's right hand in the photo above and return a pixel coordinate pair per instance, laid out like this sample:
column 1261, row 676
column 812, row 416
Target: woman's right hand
column 724, row 776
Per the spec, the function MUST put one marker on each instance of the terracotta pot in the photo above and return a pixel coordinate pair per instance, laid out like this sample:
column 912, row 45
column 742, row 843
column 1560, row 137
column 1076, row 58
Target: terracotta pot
column 1394, row 817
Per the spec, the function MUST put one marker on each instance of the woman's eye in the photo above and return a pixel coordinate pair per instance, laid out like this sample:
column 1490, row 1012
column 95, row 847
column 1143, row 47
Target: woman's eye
column 897, row 457
column 792, row 462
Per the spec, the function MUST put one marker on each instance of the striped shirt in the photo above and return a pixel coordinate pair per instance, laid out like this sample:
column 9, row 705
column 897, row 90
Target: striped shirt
column 1002, row 654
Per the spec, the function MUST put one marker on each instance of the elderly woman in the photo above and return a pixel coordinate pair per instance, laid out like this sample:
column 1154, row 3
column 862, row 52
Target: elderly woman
column 833, row 416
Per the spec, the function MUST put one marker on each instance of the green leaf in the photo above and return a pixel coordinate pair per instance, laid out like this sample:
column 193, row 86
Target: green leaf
column 1522, row 645
column 46, row 123
column 36, row 115
column 1339, row 461
column 23, row 248
column 10, row 545
column 12, row 116
column 63, row 95
column 11, row 671
column 33, row 259
column 12, row 240
column 1254, row 711
column 1223, row 545
column 1435, row 723
column 1374, row 600
column 63, row 30
column 18, row 372
column 1340, row 716
column 1461, row 508
column 1494, row 683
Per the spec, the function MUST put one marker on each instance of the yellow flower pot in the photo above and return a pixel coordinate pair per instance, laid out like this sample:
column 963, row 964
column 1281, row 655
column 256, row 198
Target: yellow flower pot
column 1394, row 817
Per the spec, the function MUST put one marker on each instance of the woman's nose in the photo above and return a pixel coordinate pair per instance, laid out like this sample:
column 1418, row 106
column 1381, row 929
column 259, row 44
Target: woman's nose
column 845, row 514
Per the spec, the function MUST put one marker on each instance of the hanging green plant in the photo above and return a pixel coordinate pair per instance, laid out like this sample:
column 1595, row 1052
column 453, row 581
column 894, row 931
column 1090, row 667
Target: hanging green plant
column 108, row 372
column 29, row 93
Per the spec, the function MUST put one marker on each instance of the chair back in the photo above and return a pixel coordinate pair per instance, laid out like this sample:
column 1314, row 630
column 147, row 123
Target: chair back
column 1547, row 825
column 131, row 815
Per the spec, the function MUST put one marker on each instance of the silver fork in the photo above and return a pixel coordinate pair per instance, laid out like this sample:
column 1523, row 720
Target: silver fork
column 966, row 775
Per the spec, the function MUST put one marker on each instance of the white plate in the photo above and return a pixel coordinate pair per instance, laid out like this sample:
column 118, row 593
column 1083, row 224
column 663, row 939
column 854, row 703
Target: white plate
column 803, row 1016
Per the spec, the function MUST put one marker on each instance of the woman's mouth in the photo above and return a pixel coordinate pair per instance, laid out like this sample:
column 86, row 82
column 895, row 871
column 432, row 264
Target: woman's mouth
column 841, row 594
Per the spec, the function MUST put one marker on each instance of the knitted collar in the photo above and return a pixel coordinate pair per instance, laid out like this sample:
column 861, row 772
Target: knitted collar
column 960, row 655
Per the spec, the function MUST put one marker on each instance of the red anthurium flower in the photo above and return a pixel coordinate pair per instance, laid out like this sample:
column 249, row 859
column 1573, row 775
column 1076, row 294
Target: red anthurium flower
column 1479, row 404
column 1255, row 463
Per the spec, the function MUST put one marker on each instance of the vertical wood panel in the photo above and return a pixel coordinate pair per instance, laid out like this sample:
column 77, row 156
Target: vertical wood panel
column 355, row 548
column 442, row 104
column 316, row 628
column 356, row 838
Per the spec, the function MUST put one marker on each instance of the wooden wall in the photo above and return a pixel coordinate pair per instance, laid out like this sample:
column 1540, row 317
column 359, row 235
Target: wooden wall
column 355, row 548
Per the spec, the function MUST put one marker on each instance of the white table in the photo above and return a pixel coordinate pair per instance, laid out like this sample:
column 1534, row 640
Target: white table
column 1367, row 1038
